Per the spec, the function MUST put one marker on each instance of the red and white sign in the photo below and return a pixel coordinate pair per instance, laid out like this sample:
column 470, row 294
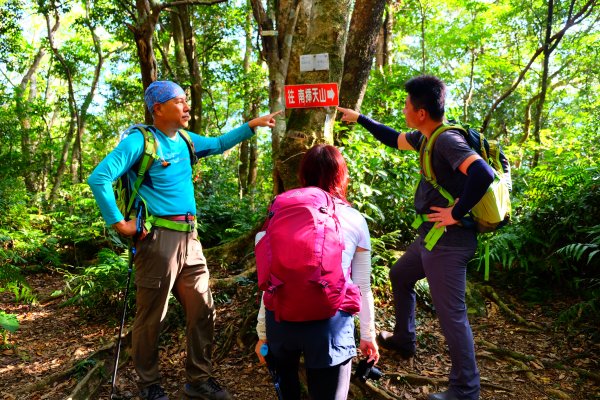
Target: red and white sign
column 311, row 95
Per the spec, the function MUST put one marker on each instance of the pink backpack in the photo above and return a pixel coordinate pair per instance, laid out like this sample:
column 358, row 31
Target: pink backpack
column 299, row 259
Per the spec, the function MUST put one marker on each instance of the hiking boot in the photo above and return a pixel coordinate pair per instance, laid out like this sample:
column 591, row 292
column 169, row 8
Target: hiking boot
column 153, row 392
column 206, row 390
column 386, row 340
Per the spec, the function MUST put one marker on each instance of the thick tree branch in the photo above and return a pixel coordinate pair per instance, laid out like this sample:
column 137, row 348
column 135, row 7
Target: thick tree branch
column 191, row 3
column 34, row 66
column 128, row 10
column 574, row 20
column 547, row 363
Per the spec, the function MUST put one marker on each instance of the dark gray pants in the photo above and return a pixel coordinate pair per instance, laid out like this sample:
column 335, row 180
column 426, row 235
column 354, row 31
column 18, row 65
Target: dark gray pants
column 172, row 261
column 445, row 268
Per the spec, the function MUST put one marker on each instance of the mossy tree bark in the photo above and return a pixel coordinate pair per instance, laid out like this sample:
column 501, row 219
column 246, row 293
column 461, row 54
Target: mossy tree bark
column 297, row 27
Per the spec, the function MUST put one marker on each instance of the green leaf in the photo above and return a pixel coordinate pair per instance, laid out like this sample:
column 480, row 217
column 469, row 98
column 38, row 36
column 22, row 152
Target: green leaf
column 9, row 321
column 592, row 254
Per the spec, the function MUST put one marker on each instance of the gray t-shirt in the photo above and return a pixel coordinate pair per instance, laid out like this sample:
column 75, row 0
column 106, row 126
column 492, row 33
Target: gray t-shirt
column 449, row 151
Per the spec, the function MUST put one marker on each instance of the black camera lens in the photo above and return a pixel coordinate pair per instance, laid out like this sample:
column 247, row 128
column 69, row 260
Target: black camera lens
column 367, row 370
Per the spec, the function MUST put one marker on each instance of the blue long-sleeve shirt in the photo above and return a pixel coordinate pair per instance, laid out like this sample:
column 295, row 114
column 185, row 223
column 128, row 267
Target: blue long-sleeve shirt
column 166, row 190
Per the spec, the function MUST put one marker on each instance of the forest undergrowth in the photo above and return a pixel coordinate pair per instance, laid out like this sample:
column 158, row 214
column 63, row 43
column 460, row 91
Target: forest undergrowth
column 48, row 357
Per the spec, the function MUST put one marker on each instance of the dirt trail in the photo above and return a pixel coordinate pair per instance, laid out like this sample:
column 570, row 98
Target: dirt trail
column 52, row 339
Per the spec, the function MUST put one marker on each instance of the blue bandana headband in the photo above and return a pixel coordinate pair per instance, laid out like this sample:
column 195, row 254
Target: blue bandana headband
column 161, row 91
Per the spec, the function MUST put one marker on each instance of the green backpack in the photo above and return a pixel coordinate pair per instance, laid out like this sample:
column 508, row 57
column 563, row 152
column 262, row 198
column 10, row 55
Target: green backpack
column 125, row 191
column 494, row 209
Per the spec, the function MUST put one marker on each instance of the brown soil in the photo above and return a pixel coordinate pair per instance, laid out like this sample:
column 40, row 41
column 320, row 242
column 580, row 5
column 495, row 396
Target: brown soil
column 53, row 338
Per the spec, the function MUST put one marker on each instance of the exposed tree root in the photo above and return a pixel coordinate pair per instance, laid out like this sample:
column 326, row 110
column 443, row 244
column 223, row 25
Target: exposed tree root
column 557, row 393
column 89, row 385
column 225, row 348
column 227, row 283
column 426, row 380
column 235, row 334
column 543, row 361
column 233, row 252
column 370, row 390
column 491, row 294
column 524, row 368
column 415, row 379
column 48, row 381
column 247, row 326
column 102, row 361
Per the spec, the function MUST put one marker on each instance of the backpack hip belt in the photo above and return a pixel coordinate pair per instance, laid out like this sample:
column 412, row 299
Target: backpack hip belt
column 179, row 225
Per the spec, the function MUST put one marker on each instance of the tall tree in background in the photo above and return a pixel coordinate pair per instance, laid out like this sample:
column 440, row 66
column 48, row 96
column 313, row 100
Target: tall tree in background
column 276, row 27
column 77, row 153
column 384, row 47
column 194, row 72
column 248, row 168
column 306, row 27
column 144, row 16
column 573, row 18
column 23, row 107
column 365, row 25
column 72, row 72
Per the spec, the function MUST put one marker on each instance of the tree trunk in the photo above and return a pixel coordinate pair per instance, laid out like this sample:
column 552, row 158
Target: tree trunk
column 423, row 11
column 529, row 105
column 62, row 166
column 326, row 33
column 469, row 94
column 247, row 170
column 163, row 46
column 308, row 27
column 193, row 69
column 76, row 165
column 366, row 22
column 181, row 67
column 143, row 30
column 382, row 54
column 28, row 147
column 74, row 121
column 543, row 84
column 277, row 46
column 253, row 161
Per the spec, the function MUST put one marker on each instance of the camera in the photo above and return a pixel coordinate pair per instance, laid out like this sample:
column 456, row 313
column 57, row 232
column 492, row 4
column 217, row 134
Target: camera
column 367, row 370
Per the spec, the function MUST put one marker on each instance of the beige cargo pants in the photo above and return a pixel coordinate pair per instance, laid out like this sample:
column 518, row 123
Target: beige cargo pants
column 168, row 261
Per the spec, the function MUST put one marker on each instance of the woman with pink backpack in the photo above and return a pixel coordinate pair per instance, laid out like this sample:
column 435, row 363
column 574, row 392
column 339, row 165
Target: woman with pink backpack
column 309, row 301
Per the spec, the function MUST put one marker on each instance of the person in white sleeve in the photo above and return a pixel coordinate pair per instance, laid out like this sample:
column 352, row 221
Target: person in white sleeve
column 328, row 373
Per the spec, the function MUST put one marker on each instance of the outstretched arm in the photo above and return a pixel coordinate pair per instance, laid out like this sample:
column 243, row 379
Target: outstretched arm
column 265, row 120
column 208, row 146
column 381, row 132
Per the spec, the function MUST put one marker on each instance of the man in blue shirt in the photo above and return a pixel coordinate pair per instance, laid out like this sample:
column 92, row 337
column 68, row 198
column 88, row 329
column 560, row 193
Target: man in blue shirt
column 466, row 176
column 169, row 256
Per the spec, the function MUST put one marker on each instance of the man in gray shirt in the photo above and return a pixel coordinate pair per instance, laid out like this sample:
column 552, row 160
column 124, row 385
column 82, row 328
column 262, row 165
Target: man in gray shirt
column 466, row 176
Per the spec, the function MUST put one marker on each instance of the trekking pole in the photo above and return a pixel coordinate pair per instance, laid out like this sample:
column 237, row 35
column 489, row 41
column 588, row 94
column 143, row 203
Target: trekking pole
column 129, row 270
column 118, row 351
column 264, row 351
